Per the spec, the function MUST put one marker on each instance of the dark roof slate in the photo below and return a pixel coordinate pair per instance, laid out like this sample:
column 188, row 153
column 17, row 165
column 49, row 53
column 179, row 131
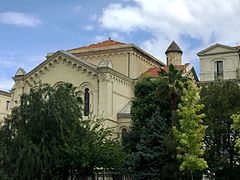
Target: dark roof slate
column 173, row 48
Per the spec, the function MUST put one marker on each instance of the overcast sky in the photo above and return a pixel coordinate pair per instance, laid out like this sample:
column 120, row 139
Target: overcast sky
column 29, row 29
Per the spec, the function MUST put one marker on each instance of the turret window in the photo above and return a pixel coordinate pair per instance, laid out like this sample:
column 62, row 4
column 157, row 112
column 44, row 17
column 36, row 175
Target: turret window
column 218, row 70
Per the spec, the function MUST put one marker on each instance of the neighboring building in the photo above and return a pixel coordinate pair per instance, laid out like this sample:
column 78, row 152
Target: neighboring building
column 219, row 62
column 105, row 73
column 5, row 105
column 174, row 56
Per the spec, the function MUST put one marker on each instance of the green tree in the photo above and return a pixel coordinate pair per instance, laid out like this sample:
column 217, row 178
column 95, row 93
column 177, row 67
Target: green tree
column 221, row 100
column 169, row 87
column 236, row 128
column 46, row 138
column 143, row 107
column 191, row 131
column 153, row 159
column 151, row 141
column 85, row 150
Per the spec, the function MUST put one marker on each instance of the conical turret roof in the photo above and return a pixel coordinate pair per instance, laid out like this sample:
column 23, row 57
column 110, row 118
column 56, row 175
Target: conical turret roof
column 173, row 48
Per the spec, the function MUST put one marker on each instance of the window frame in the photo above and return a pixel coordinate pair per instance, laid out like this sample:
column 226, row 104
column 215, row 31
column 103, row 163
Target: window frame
column 8, row 105
column 218, row 70
column 86, row 102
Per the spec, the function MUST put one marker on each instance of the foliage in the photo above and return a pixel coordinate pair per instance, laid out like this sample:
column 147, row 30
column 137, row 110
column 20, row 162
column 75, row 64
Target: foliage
column 152, row 159
column 190, row 132
column 221, row 100
column 151, row 141
column 236, row 127
column 169, row 87
column 92, row 148
column 46, row 138
column 143, row 106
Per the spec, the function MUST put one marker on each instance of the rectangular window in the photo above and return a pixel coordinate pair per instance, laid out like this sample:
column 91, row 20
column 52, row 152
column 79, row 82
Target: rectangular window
column 8, row 103
column 218, row 70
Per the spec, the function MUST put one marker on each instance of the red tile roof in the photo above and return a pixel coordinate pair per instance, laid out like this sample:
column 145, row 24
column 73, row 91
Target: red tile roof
column 154, row 72
column 98, row 45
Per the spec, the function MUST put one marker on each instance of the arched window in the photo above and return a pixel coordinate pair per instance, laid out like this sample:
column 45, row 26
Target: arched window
column 86, row 102
column 60, row 83
column 218, row 70
column 124, row 135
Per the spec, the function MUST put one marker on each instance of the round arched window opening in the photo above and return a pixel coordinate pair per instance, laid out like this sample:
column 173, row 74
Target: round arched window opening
column 86, row 102
column 124, row 135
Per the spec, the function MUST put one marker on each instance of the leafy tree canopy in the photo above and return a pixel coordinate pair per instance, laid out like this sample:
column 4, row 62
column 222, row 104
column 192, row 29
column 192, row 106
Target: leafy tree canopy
column 46, row 138
column 151, row 139
column 191, row 131
column 221, row 100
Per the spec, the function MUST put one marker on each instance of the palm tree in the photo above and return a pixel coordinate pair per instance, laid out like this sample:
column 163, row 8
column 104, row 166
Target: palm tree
column 170, row 87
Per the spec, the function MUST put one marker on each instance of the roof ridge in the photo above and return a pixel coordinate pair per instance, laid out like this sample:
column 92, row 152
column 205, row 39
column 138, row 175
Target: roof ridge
column 105, row 43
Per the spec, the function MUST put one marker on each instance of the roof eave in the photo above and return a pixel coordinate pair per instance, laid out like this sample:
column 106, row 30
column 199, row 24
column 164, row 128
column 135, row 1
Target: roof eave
column 202, row 53
column 147, row 54
column 61, row 52
column 5, row 93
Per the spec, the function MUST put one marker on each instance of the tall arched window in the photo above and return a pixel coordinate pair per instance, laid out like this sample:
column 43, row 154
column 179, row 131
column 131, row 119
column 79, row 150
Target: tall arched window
column 86, row 102
column 124, row 135
column 218, row 70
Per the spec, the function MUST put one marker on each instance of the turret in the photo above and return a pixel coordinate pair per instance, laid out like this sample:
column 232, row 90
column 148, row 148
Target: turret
column 174, row 54
column 17, row 89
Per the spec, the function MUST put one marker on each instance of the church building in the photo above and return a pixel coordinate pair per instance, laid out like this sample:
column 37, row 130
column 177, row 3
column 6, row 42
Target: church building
column 104, row 73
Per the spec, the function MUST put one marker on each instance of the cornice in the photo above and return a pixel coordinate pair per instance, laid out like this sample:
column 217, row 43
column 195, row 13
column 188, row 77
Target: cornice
column 115, row 73
column 222, row 81
column 5, row 93
column 114, row 49
column 74, row 62
column 202, row 53
column 64, row 55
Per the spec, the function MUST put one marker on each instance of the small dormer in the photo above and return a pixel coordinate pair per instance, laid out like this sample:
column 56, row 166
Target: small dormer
column 174, row 54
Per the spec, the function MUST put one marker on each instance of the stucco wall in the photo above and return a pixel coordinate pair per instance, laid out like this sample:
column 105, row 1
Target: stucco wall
column 108, row 92
column 119, row 61
column 230, row 66
column 227, row 54
column 174, row 58
column 139, row 65
column 110, row 89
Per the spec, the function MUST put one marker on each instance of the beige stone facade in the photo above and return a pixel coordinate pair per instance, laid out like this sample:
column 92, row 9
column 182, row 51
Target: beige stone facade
column 5, row 105
column 107, row 71
column 219, row 62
